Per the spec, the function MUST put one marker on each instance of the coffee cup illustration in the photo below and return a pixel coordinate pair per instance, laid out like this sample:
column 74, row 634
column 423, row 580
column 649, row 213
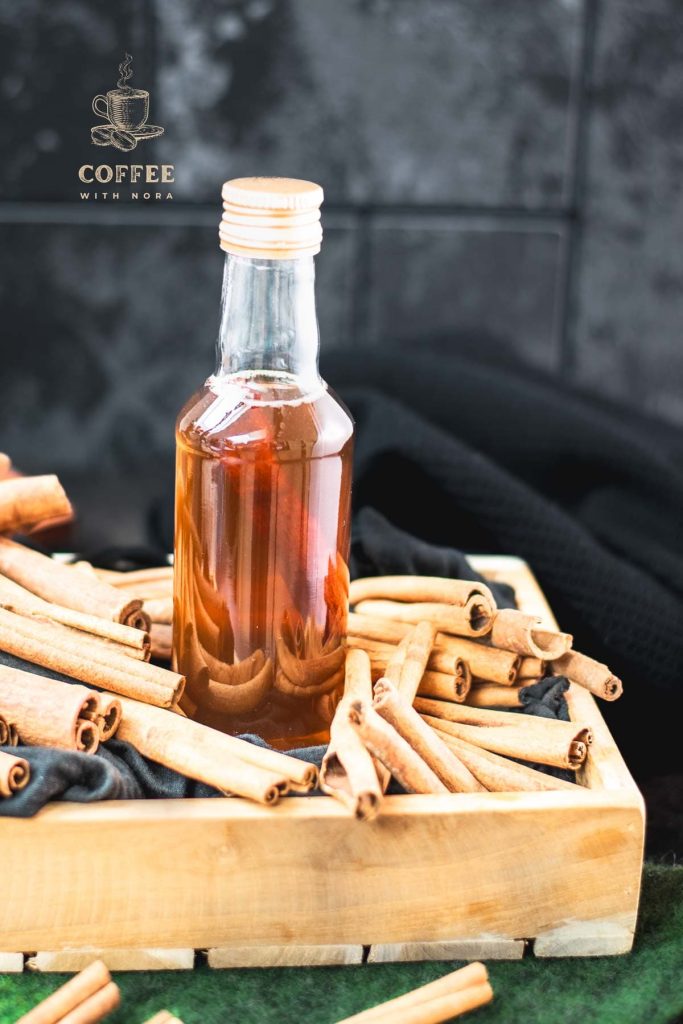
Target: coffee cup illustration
column 125, row 111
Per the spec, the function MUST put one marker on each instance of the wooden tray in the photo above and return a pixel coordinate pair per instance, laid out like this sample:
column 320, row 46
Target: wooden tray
column 434, row 877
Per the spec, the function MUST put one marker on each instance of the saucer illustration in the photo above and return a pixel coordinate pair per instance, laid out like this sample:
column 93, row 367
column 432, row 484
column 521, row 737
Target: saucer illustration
column 125, row 111
column 108, row 135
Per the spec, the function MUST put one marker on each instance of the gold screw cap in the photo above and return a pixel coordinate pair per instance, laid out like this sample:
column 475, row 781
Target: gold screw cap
column 275, row 218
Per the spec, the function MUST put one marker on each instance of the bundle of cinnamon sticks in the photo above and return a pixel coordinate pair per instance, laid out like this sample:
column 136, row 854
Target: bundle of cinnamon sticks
column 155, row 588
column 414, row 728
column 481, row 655
column 85, row 999
column 78, row 626
column 444, row 999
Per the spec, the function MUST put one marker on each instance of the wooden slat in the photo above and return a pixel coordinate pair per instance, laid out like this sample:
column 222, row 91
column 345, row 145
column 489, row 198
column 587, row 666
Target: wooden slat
column 485, row 948
column 73, row 960
column 11, row 963
column 578, row 938
column 284, row 956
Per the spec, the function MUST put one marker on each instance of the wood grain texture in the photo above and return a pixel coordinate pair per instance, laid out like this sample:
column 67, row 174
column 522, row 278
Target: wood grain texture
column 262, row 877
column 609, row 937
column 485, row 948
column 215, row 873
column 73, row 960
column 284, row 956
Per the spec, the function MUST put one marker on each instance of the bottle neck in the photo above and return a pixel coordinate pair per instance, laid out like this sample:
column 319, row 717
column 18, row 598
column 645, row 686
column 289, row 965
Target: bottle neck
column 268, row 320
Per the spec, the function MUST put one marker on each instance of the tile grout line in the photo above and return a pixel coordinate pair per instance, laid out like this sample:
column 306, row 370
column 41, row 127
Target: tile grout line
column 204, row 214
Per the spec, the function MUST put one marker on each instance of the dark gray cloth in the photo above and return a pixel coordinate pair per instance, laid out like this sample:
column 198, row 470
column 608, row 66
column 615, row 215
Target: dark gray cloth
column 116, row 772
column 381, row 549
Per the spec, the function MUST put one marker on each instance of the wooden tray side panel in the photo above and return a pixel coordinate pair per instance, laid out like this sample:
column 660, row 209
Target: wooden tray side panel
column 430, row 869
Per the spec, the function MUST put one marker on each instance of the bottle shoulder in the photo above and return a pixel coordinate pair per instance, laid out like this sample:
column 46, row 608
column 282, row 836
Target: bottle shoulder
column 227, row 416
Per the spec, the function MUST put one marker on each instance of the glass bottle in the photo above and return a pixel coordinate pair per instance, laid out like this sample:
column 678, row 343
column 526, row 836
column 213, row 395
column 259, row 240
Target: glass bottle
column 263, row 489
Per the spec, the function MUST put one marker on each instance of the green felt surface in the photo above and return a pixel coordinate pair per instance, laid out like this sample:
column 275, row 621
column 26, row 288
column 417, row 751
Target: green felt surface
column 645, row 987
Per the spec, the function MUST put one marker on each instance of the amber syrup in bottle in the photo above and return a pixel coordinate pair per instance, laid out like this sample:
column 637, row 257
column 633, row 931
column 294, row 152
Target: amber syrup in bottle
column 263, row 489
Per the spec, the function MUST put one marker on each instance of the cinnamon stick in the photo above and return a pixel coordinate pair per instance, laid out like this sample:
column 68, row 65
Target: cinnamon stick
column 74, row 993
column 47, row 712
column 433, row 684
column 107, row 716
column 419, row 588
column 8, row 737
column 498, row 774
column 454, row 686
column 416, row 649
column 393, row 666
column 146, row 591
column 473, row 977
column 15, row 773
column 439, row 660
column 543, row 745
column 590, row 674
column 348, row 771
column 197, row 751
column 96, row 1007
column 513, row 630
column 62, row 586
column 486, row 663
column 26, row 501
column 445, row 1008
column 155, row 574
column 474, row 619
column 302, row 775
column 490, row 695
column 109, row 652
column 488, row 717
column 159, row 609
column 531, row 668
column 397, row 756
column 438, row 684
column 15, row 598
column 423, row 740
column 44, row 644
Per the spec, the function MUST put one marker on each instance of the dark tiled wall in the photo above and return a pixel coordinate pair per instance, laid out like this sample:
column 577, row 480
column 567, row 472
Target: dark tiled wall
column 510, row 170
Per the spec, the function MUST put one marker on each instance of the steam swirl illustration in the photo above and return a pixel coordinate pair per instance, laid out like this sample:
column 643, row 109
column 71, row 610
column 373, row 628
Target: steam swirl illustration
column 125, row 72
column 125, row 111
